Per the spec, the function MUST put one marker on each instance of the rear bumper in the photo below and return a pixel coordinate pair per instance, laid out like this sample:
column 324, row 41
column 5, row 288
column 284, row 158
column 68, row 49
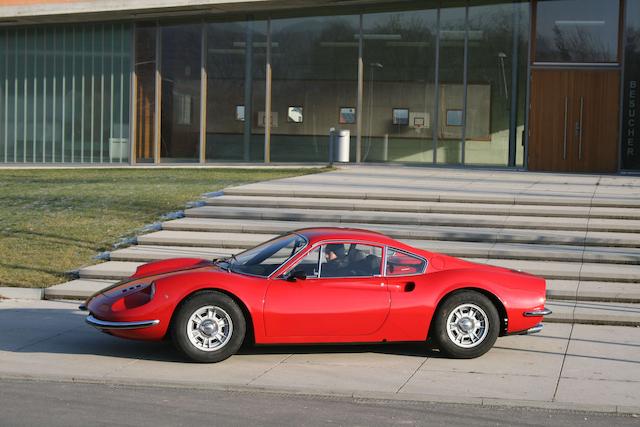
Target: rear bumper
column 535, row 313
column 103, row 324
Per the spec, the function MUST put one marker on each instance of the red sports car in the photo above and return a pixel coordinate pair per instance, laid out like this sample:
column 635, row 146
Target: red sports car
column 321, row 285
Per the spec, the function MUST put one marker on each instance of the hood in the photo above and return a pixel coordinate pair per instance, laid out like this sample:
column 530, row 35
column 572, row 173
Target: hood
column 169, row 266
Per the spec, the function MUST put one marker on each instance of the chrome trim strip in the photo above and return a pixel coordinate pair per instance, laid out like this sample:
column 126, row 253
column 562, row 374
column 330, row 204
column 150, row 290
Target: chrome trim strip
column 535, row 313
column 103, row 324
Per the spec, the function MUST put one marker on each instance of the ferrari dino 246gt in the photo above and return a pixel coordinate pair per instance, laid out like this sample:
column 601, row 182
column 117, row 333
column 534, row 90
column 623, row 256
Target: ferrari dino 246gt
column 321, row 285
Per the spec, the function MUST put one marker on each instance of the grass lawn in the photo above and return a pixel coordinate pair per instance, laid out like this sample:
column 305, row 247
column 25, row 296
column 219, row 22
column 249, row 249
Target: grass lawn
column 52, row 221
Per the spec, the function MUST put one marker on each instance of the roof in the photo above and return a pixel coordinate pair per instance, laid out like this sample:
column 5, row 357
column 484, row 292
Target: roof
column 316, row 234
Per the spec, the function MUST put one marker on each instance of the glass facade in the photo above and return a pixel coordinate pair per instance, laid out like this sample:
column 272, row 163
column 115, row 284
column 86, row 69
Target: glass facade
column 428, row 82
column 64, row 94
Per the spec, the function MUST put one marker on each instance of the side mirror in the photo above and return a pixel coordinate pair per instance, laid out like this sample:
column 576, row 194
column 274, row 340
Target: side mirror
column 292, row 276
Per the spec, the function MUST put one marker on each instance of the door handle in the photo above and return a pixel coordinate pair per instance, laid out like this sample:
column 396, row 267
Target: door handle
column 403, row 287
column 579, row 129
column 564, row 143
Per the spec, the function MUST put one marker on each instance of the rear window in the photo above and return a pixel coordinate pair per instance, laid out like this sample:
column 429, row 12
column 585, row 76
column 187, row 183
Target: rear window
column 400, row 263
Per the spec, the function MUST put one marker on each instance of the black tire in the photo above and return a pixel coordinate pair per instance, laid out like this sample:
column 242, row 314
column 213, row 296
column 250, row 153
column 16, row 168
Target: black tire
column 230, row 314
column 466, row 349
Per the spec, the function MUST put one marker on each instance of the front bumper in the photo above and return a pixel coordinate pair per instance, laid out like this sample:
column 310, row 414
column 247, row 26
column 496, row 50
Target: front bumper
column 103, row 324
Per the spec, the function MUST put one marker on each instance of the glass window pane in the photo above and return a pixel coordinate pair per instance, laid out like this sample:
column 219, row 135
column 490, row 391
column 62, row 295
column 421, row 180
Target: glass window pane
column 145, row 70
column 267, row 257
column 399, row 85
column 491, row 65
column 577, row 30
column 236, row 56
column 451, row 84
column 315, row 63
column 350, row 260
column 523, row 31
column 4, row 95
column 310, row 264
column 180, row 112
column 53, row 88
column 401, row 263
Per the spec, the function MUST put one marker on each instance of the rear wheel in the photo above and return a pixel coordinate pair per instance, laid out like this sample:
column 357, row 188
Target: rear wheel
column 466, row 325
column 208, row 327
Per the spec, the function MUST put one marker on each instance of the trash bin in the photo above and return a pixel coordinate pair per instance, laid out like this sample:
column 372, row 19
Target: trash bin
column 342, row 149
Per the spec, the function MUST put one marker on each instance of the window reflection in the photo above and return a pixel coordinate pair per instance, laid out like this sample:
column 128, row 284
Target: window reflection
column 577, row 30
column 492, row 61
column 64, row 93
column 236, row 55
column 180, row 59
column 399, row 91
column 315, row 67
column 451, row 84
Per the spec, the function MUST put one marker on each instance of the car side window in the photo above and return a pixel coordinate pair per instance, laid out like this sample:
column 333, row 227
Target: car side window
column 401, row 263
column 310, row 264
column 350, row 260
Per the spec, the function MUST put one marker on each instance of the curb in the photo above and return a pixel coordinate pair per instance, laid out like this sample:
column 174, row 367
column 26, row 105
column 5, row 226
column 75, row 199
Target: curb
column 357, row 396
column 22, row 293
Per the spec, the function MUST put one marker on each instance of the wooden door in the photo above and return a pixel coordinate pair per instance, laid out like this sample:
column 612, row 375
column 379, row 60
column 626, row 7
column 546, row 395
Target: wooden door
column 549, row 120
column 573, row 122
column 596, row 105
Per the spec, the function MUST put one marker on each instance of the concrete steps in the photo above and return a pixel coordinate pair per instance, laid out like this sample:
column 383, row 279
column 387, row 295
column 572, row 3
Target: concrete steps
column 313, row 213
column 341, row 204
column 580, row 232
column 425, row 232
column 489, row 245
column 351, row 190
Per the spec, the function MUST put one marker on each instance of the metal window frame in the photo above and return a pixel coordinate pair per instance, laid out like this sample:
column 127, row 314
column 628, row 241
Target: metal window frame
column 133, row 101
column 267, row 98
column 203, row 93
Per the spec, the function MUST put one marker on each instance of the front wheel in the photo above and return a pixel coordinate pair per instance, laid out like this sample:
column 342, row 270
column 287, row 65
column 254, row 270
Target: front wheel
column 466, row 325
column 208, row 327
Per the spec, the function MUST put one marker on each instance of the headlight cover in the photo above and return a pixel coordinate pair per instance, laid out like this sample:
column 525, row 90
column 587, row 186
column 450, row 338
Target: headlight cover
column 133, row 296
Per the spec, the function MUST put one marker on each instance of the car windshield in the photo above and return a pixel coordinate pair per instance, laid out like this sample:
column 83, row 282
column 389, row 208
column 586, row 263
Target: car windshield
column 264, row 259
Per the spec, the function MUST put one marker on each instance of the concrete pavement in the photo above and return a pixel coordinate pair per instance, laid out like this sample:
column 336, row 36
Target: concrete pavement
column 588, row 367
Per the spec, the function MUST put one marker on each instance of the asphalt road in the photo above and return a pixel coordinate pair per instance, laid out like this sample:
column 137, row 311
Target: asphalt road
column 31, row 403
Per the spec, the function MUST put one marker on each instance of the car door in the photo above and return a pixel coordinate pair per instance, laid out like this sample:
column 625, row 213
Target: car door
column 349, row 299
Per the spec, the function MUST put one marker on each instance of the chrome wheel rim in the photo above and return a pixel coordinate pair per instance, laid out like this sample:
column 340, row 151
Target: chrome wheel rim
column 467, row 325
column 209, row 328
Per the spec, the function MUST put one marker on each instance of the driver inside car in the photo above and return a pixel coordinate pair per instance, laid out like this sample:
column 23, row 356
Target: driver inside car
column 336, row 260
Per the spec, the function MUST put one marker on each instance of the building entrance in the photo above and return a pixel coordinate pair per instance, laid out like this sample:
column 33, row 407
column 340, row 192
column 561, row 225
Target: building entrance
column 574, row 120
column 574, row 114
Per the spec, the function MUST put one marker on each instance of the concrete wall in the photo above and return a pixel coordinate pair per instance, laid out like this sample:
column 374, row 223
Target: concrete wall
column 19, row 12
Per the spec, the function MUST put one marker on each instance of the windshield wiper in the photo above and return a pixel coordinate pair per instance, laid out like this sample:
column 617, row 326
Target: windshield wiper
column 227, row 260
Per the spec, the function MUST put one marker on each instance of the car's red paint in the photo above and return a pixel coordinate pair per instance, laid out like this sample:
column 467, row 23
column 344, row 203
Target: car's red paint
column 372, row 309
